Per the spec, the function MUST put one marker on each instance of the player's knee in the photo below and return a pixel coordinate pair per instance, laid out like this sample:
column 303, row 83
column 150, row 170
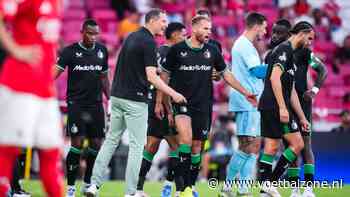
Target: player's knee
column 152, row 147
column 96, row 143
column 196, row 146
column 271, row 149
column 77, row 142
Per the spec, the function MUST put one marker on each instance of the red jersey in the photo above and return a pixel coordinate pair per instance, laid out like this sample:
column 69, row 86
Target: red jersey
column 34, row 22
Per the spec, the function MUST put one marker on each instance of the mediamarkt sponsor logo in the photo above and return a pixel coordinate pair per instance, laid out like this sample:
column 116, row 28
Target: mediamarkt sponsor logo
column 195, row 67
column 87, row 68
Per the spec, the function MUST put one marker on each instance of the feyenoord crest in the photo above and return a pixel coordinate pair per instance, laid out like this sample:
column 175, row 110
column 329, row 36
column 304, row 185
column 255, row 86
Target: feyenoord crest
column 100, row 54
column 74, row 129
column 207, row 54
column 283, row 57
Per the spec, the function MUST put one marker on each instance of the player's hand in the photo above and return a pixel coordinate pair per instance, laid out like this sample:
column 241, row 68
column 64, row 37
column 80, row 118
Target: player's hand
column 29, row 54
column 284, row 115
column 215, row 75
column 305, row 125
column 252, row 99
column 159, row 111
column 309, row 95
column 171, row 120
column 179, row 98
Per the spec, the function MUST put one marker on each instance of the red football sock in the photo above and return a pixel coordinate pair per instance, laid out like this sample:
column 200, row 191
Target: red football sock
column 8, row 155
column 51, row 172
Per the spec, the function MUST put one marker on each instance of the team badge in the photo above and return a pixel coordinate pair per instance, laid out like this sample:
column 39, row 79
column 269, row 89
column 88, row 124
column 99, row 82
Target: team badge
column 100, row 54
column 283, row 57
column 74, row 129
column 207, row 54
column 183, row 54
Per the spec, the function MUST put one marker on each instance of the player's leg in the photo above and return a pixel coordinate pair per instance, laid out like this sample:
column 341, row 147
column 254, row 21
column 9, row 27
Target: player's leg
column 75, row 130
column 239, row 157
column 250, row 144
column 296, row 144
column 95, row 132
column 73, row 163
column 8, row 155
column 149, row 151
column 309, row 166
column 307, row 153
column 90, row 156
column 184, row 128
column 108, row 147
column 50, row 171
column 200, row 131
column 271, row 131
column 173, row 161
column 293, row 175
column 16, row 130
column 271, row 147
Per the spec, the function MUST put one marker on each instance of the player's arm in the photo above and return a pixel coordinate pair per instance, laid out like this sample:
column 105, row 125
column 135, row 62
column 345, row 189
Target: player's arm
column 234, row 83
column 221, row 67
column 153, row 78
column 151, row 72
column 29, row 54
column 321, row 70
column 298, row 110
column 57, row 71
column 63, row 60
column 106, row 84
column 276, row 84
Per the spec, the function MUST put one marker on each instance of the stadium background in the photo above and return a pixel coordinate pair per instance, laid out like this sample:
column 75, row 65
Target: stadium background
column 117, row 18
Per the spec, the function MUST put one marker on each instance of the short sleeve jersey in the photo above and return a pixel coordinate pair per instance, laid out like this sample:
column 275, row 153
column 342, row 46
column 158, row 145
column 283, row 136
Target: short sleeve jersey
column 302, row 58
column 85, row 67
column 190, row 72
column 281, row 56
column 139, row 51
column 161, row 58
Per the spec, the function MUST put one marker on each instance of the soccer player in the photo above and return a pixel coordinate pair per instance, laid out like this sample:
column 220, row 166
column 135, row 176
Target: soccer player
column 303, row 59
column 250, row 72
column 136, row 66
column 189, row 65
column 87, row 62
column 161, row 121
column 279, row 99
column 29, row 111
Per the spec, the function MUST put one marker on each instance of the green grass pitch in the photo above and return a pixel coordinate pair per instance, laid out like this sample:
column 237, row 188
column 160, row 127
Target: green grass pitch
column 116, row 189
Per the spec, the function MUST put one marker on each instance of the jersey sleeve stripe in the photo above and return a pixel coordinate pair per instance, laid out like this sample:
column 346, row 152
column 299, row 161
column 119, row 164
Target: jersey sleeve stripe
column 59, row 67
column 164, row 69
column 280, row 65
column 105, row 71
